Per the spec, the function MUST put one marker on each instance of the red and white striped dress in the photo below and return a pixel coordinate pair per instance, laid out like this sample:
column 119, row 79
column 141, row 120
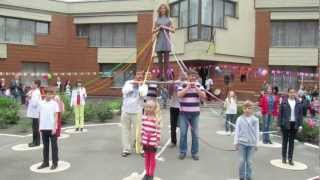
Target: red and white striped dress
column 150, row 131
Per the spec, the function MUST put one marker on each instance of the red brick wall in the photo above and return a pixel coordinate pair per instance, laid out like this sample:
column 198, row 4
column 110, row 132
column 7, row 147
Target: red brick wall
column 65, row 52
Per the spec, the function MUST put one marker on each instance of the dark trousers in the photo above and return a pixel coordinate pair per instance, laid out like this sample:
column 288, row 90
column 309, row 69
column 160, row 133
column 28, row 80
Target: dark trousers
column 163, row 58
column 288, row 136
column 174, row 117
column 35, row 131
column 47, row 137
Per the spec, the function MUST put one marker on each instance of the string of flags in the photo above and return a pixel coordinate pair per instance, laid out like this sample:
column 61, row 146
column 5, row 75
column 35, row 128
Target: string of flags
column 49, row 75
column 247, row 70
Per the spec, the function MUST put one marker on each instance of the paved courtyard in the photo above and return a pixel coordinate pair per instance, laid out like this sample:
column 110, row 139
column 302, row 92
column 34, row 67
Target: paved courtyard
column 95, row 155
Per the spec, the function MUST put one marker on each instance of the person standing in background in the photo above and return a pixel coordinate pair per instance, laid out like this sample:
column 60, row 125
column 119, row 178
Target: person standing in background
column 16, row 89
column 3, row 87
column 34, row 98
column 78, row 101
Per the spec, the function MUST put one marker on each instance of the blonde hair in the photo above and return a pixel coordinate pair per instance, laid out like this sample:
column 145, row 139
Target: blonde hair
column 247, row 104
column 166, row 7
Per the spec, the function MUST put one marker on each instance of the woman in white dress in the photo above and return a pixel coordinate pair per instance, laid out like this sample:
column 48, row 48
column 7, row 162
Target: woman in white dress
column 34, row 97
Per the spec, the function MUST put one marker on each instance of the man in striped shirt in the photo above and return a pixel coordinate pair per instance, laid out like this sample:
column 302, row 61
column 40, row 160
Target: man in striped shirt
column 190, row 94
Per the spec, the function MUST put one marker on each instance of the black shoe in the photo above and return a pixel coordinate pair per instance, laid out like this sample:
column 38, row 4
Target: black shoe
column 142, row 155
column 77, row 129
column 43, row 165
column 270, row 142
column 291, row 163
column 241, row 178
column 54, row 166
column 125, row 154
column 195, row 157
column 150, row 178
column 31, row 145
column 145, row 177
column 284, row 161
column 81, row 129
column 182, row 156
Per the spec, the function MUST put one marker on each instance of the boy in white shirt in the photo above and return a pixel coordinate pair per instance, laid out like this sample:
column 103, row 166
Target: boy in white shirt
column 48, row 126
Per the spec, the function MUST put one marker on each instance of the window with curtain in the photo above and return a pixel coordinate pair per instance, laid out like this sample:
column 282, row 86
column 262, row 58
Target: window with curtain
column 121, row 35
column 230, row 8
column 42, row 28
column 294, row 34
column 28, row 31
column 201, row 17
column 218, row 13
column 2, row 29
column 83, row 30
column 118, row 35
column 174, row 10
column 183, row 17
column 13, row 30
column 206, row 13
column 95, row 35
column 130, row 35
column 121, row 77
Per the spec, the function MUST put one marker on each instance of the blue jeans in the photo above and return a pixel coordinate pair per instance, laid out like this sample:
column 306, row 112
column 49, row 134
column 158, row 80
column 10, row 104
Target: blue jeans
column 267, row 120
column 245, row 166
column 187, row 119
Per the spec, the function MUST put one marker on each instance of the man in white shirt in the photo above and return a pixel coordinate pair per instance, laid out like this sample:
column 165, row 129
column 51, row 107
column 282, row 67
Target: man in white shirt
column 49, row 109
column 133, row 93
column 290, row 121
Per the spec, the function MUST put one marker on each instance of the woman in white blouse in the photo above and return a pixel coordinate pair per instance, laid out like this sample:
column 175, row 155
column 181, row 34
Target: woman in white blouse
column 34, row 98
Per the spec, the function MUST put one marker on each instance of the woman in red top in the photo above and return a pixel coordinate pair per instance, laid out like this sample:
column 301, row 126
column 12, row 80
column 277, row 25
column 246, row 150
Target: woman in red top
column 150, row 137
column 269, row 105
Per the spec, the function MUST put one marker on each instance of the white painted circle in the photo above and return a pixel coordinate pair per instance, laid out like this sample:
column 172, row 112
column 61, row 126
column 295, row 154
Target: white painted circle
column 315, row 178
column 64, row 136
column 62, row 166
column 25, row 147
column 224, row 133
column 73, row 131
column 136, row 176
column 297, row 165
column 273, row 145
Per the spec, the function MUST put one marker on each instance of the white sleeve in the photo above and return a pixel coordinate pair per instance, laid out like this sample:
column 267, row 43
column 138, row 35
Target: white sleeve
column 127, row 88
column 257, row 131
column 84, row 92
column 236, row 135
column 72, row 98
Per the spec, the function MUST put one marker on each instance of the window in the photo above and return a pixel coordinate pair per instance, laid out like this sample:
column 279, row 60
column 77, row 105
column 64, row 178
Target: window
column 174, row 10
column 218, row 13
column 27, row 33
column 118, row 78
column 294, row 34
column 183, row 17
column 288, row 77
column 2, row 29
column 109, row 35
column 230, row 8
column 42, row 28
column 36, row 68
column 83, row 30
column 201, row 17
column 13, row 30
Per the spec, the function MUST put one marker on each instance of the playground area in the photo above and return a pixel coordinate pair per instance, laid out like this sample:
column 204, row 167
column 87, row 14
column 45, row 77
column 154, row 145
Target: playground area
column 95, row 155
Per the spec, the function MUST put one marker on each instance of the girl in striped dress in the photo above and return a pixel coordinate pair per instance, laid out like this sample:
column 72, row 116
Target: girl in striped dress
column 150, row 137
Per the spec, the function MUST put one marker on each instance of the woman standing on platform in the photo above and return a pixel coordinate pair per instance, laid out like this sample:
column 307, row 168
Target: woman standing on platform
column 163, row 26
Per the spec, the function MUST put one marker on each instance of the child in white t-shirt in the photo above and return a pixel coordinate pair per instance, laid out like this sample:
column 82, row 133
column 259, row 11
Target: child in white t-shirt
column 231, row 111
column 49, row 109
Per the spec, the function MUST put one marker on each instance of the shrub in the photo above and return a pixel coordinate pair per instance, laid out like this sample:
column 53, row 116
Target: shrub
column 9, row 112
column 67, row 117
column 89, row 112
column 308, row 134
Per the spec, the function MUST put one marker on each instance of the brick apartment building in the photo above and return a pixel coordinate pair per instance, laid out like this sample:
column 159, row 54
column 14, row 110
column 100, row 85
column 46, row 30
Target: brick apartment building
column 73, row 40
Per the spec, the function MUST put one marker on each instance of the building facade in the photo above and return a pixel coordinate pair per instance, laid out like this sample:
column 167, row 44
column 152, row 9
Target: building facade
column 240, row 44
